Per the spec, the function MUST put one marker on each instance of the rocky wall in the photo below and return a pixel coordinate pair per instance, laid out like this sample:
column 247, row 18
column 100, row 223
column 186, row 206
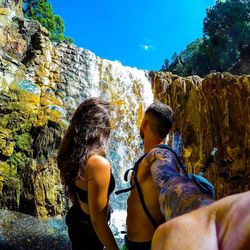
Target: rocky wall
column 211, row 112
column 41, row 84
column 31, row 119
column 12, row 7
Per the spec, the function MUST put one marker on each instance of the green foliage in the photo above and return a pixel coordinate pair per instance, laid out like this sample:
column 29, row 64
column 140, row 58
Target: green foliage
column 191, row 61
column 41, row 11
column 226, row 37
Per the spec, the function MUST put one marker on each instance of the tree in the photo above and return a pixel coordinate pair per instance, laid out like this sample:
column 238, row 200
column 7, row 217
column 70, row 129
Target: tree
column 226, row 40
column 191, row 61
column 227, row 31
column 41, row 11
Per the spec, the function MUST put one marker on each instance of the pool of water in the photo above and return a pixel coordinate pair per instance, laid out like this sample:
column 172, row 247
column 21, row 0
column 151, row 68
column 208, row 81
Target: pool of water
column 23, row 232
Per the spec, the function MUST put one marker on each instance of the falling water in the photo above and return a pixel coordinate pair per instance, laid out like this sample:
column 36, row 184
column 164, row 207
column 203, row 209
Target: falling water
column 129, row 91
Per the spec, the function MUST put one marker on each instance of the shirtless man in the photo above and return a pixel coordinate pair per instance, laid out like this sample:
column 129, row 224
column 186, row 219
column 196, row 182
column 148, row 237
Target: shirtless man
column 201, row 222
column 154, row 129
column 195, row 220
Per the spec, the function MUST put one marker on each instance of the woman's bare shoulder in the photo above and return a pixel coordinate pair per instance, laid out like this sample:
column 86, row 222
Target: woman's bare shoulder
column 97, row 162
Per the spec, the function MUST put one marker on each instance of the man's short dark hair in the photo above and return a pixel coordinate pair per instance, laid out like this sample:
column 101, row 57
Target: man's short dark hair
column 161, row 118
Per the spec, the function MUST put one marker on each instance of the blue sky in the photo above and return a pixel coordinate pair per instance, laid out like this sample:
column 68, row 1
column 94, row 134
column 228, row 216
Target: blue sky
column 138, row 33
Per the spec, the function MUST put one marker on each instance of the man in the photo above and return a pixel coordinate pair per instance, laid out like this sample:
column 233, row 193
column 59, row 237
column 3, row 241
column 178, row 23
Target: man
column 155, row 126
column 201, row 222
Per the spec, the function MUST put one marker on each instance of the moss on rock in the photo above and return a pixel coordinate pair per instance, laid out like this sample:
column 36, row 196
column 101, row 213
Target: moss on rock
column 24, row 142
column 6, row 142
column 19, row 160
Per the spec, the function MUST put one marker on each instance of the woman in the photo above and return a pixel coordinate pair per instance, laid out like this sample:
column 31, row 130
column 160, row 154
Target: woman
column 87, row 176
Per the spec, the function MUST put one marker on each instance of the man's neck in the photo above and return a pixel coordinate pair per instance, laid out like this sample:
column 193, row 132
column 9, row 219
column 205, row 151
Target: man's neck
column 149, row 144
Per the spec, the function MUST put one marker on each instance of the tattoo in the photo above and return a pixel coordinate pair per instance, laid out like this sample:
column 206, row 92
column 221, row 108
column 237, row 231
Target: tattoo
column 178, row 194
column 163, row 165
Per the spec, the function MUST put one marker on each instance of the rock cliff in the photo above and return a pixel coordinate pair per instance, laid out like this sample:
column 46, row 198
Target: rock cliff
column 211, row 112
column 40, row 85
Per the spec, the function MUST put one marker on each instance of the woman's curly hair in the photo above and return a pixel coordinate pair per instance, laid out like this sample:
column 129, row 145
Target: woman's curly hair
column 87, row 134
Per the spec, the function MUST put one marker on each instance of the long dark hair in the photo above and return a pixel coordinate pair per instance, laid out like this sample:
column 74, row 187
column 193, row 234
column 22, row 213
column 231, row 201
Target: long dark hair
column 87, row 134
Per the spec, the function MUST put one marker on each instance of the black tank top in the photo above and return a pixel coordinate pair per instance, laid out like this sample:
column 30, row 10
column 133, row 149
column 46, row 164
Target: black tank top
column 83, row 194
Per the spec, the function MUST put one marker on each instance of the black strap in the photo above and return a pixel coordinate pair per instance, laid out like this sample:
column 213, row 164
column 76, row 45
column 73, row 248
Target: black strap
column 126, row 174
column 150, row 217
column 124, row 190
column 134, row 169
column 164, row 146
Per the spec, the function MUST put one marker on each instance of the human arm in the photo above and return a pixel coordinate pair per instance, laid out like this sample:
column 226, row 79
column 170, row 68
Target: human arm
column 178, row 194
column 163, row 165
column 98, row 171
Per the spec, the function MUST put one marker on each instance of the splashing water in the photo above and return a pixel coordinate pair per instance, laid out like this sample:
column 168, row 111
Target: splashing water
column 22, row 231
column 130, row 93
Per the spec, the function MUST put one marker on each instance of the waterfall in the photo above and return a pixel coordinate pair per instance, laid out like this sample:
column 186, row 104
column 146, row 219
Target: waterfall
column 129, row 91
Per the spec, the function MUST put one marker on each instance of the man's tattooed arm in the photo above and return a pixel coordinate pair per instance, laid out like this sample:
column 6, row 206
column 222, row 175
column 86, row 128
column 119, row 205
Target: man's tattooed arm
column 178, row 194
column 163, row 165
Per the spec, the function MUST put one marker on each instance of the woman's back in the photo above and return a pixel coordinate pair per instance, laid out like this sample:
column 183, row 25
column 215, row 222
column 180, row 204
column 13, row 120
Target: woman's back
column 87, row 175
column 95, row 162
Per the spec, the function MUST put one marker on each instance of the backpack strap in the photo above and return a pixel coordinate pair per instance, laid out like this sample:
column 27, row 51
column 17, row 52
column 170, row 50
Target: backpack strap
column 134, row 169
column 150, row 217
column 125, row 190
column 203, row 184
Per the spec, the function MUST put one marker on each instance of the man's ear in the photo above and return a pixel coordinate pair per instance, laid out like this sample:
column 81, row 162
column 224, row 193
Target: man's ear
column 144, row 123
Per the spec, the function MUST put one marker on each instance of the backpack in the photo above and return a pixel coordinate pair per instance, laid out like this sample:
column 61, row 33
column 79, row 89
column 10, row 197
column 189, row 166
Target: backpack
column 204, row 185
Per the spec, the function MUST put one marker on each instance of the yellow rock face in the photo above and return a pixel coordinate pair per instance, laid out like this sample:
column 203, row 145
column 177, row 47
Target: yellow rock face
column 5, row 11
column 211, row 112
column 47, row 189
column 28, row 92
column 4, row 168
column 140, row 116
column 6, row 145
column 4, row 173
column 9, row 149
column 50, row 99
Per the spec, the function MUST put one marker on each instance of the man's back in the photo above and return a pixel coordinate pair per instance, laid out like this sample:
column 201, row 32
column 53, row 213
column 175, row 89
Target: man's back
column 154, row 128
column 139, row 227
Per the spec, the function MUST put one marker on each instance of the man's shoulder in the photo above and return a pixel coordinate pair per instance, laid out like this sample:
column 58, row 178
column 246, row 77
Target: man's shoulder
column 161, row 154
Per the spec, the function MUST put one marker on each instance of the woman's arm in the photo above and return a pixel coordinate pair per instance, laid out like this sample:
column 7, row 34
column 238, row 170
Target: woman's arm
column 98, row 171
